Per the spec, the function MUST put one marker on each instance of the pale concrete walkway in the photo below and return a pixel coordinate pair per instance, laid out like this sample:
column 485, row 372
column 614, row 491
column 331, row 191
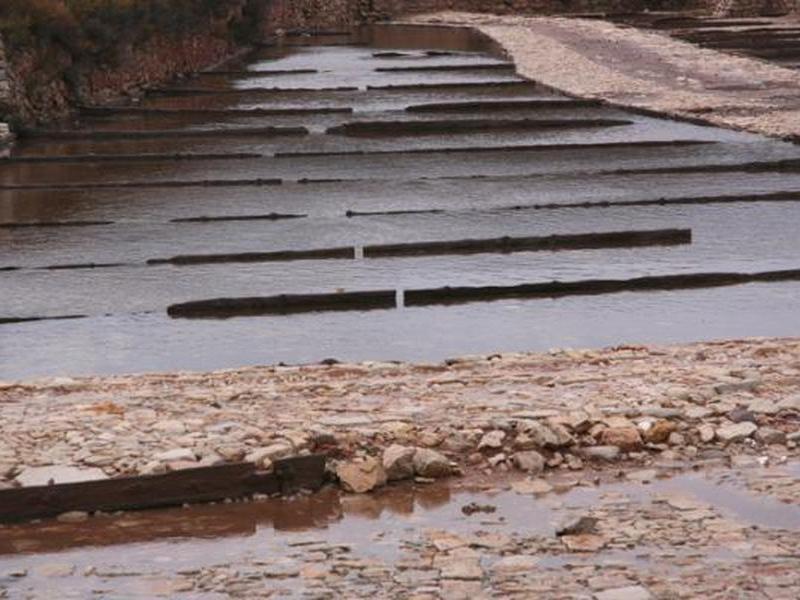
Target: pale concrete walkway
column 645, row 70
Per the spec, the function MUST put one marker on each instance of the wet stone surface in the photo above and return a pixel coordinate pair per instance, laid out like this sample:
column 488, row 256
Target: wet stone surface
column 593, row 535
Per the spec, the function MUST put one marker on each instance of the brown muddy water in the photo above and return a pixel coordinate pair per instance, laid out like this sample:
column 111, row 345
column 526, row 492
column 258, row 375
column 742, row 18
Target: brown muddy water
column 87, row 219
column 121, row 555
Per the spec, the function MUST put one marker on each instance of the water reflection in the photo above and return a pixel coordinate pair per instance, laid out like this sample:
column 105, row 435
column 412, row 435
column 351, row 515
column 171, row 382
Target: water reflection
column 284, row 515
column 354, row 518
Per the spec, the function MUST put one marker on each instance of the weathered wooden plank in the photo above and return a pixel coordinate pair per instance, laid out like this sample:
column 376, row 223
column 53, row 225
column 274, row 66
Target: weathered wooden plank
column 247, row 257
column 203, row 521
column 558, row 289
column 225, row 218
column 142, row 111
column 79, row 134
column 300, row 472
column 15, row 320
column 448, row 68
column 249, row 91
column 32, row 224
column 454, row 126
column 258, row 72
column 609, row 239
column 133, row 185
column 785, row 196
column 499, row 105
column 601, row 146
column 145, row 157
column 203, row 484
column 223, row 308
column 456, row 85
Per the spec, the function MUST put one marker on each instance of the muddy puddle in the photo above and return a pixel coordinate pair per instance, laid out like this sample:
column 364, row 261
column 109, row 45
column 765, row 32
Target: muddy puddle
column 434, row 139
column 138, row 553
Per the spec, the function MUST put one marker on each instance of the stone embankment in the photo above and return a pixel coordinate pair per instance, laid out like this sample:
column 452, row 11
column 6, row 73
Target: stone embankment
column 342, row 15
column 559, row 411
column 5, row 91
column 643, row 70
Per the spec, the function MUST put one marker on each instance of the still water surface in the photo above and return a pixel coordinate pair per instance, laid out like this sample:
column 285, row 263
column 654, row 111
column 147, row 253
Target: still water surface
column 126, row 328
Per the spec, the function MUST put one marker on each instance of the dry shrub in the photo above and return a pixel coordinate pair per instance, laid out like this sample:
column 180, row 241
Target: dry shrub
column 95, row 26
column 46, row 20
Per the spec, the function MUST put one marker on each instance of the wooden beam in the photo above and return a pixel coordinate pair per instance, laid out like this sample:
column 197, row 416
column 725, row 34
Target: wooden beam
column 203, row 484
column 223, row 308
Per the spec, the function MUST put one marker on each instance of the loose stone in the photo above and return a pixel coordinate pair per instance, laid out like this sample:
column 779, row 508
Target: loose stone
column 792, row 403
column 769, row 436
column 55, row 570
column 177, row 454
column 75, row 516
column 740, row 415
column 625, row 438
column 727, row 387
column 269, row 453
column 633, row 592
column 736, row 431
column 537, row 487
column 430, row 463
column 398, row 462
column 58, row 474
column 361, row 476
column 762, row 406
column 584, row 542
column 607, row 453
column 492, row 440
column 577, row 526
column 529, row 461
column 660, row 432
column 510, row 565
column 707, row 433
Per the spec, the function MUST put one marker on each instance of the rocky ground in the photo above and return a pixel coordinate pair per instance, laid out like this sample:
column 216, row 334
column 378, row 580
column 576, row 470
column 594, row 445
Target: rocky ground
column 645, row 70
column 634, row 535
column 560, row 410
column 627, row 473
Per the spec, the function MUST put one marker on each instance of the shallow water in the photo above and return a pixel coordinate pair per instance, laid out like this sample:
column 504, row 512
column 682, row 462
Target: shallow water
column 154, row 342
column 126, row 329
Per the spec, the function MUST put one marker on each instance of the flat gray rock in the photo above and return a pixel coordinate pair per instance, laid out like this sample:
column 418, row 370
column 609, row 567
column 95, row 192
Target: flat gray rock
column 736, row 431
column 631, row 592
column 345, row 421
column 32, row 476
